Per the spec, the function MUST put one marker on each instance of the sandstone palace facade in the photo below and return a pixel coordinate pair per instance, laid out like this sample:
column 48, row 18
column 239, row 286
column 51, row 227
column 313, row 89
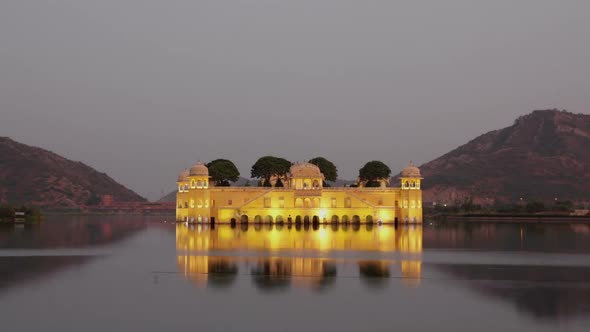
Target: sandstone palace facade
column 303, row 199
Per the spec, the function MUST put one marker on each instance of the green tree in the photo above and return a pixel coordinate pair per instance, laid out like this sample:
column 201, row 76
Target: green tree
column 373, row 171
column 326, row 167
column 535, row 206
column 94, row 199
column 266, row 167
column 222, row 172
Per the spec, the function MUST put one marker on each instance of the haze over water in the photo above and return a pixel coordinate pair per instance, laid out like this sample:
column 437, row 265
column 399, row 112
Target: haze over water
column 132, row 273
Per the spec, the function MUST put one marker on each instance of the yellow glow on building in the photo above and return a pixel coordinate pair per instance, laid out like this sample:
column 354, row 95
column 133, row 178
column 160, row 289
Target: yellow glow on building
column 303, row 199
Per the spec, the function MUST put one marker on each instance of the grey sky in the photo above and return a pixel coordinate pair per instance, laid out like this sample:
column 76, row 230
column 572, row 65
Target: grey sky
column 140, row 89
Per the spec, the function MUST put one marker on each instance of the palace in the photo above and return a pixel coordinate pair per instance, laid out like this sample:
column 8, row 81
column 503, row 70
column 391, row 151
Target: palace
column 303, row 199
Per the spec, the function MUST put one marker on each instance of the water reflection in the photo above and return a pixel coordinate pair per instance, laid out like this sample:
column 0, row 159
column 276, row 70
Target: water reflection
column 280, row 273
column 72, row 232
column 508, row 237
column 57, row 232
column 325, row 239
column 546, row 292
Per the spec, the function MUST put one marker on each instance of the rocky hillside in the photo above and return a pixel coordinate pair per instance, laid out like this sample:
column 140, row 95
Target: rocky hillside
column 543, row 155
column 31, row 175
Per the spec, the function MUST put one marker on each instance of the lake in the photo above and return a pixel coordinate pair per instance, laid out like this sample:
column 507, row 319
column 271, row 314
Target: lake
column 139, row 273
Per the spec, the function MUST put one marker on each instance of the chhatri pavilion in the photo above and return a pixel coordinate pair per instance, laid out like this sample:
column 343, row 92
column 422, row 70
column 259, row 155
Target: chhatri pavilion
column 303, row 199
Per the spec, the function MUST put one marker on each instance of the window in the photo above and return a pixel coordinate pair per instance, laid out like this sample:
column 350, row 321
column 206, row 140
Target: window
column 193, row 184
column 180, row 189
column 200, row 204
column 205, row 184
column 229, row 202
column 185, row 187
column 413, row 204
column 179, row 205
column 199, row 184
column 333, row 202
column 405, row 203
column 186, row 205
column 281, row 202
column 266, row 202
column 206, row 203
column 192, row 203
column 419, row 204
column 347, row 202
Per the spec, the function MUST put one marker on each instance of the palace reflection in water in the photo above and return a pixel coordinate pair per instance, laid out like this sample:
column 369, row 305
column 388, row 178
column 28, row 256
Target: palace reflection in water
column 276, row 272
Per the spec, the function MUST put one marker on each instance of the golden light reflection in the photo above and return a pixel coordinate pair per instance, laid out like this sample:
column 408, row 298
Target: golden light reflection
column 307, row 272
column 383, row 238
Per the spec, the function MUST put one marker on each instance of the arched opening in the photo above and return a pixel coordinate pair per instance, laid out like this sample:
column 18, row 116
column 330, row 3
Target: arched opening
column 244, row 219
column 279, row 219
column 257, row 227
column 335, row 219
column 298, row 220
column 369, row 219
column 307, row 203
column 199, row 183
column 258, row 219
column 356, row 219
column 316, row 184
column 316, row 203
column 345, row 219
column 356, row 226
column 335, row 227
column 315, row 226
column 298, row 202
column 306, row 220
column 315, row 219
column 268, row 219
column 244, row 226
column 407, row 184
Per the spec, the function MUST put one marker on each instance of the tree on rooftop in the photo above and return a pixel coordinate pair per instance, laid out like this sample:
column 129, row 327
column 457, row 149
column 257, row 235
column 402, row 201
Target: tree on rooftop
column 326, row 167
column 222, row 172
column 373, row 171
column 267, row 166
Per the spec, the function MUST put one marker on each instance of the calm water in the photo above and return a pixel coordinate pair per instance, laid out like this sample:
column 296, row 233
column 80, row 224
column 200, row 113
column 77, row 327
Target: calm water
column 130, row 273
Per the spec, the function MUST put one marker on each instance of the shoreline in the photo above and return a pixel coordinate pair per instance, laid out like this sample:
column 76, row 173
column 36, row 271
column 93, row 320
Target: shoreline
column 514, row 219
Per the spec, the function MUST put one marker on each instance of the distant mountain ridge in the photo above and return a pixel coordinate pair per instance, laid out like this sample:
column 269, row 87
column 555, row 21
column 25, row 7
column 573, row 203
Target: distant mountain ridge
column 544, row 155
column 31, row 175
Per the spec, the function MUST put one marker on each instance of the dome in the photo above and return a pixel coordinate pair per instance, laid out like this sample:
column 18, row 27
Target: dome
column 411, row 171
column 305, row 170
column 199, row 170
column 183, row 175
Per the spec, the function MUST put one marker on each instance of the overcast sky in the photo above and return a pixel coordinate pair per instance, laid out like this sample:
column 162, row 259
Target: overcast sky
column 141, row 89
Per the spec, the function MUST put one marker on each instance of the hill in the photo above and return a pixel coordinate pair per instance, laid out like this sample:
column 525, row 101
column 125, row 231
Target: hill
column 543, row 155
column 31, row 175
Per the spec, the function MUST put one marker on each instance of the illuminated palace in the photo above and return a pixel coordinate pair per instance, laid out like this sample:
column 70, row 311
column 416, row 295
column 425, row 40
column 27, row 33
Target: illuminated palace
column 303, row 199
